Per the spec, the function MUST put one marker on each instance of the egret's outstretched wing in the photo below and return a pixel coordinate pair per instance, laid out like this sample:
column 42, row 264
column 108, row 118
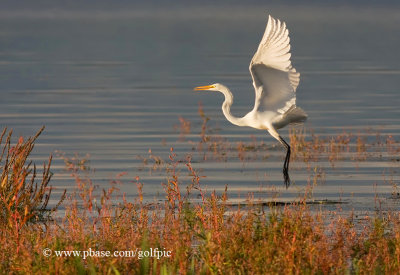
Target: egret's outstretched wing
column 274, row 78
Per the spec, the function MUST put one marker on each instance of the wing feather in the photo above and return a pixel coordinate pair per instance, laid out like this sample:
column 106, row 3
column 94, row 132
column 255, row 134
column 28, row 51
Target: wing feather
column 274, row 79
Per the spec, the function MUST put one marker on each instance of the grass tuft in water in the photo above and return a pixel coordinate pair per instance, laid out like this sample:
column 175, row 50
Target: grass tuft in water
column 205, row 236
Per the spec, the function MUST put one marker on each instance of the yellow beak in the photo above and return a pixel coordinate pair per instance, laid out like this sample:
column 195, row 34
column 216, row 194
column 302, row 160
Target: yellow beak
column 203, row 88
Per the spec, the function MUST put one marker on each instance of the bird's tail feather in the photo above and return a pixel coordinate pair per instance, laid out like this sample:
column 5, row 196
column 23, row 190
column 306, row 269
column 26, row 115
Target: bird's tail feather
column 295, row 115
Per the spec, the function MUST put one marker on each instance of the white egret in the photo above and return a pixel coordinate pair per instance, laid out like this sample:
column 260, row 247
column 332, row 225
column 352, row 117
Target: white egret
column 275, row 82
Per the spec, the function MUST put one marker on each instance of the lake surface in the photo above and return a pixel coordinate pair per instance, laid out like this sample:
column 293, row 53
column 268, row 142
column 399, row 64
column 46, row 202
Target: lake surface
column 113, row 84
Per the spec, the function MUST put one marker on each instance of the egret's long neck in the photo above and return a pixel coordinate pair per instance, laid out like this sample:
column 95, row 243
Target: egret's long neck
column 226, row 107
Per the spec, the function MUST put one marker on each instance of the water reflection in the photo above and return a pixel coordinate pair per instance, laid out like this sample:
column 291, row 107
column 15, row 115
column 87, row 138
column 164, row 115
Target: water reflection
column 113, row 84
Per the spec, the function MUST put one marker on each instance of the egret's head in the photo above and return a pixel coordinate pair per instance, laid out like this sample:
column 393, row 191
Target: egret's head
column 212, row 87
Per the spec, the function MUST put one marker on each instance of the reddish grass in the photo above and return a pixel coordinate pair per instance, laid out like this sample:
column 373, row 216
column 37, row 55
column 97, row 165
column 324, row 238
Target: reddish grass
column 209, row 237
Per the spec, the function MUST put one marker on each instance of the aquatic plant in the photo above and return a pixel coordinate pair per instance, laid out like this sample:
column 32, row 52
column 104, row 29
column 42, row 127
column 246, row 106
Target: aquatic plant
column 23, row 197
column 208, row 235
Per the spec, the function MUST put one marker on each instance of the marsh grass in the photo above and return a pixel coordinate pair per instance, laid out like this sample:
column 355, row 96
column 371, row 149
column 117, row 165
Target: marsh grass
column 23, row 197
column 307, row 146
column 344, row 146
column 206, row 236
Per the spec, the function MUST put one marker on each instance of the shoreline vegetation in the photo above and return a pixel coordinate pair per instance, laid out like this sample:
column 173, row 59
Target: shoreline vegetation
column 209, row 236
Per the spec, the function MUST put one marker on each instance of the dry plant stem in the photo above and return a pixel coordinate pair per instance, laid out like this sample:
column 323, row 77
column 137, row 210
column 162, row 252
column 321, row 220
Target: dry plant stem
column 208, row 237
column 22, row 198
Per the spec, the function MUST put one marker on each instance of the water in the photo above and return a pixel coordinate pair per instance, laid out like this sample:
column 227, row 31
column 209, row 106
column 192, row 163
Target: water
column 113, row 84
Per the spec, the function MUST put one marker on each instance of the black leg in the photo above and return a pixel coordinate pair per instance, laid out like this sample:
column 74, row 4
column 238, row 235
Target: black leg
column 286, row 163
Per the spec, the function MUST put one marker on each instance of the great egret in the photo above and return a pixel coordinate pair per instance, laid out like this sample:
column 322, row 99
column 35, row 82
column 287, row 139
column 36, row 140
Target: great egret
column 275, row 82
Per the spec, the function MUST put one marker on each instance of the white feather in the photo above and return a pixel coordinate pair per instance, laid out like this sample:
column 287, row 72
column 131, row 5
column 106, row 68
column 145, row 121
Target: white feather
column 274, row 79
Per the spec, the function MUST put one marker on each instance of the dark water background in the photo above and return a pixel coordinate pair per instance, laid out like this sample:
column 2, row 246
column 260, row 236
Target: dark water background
column 113, row 84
